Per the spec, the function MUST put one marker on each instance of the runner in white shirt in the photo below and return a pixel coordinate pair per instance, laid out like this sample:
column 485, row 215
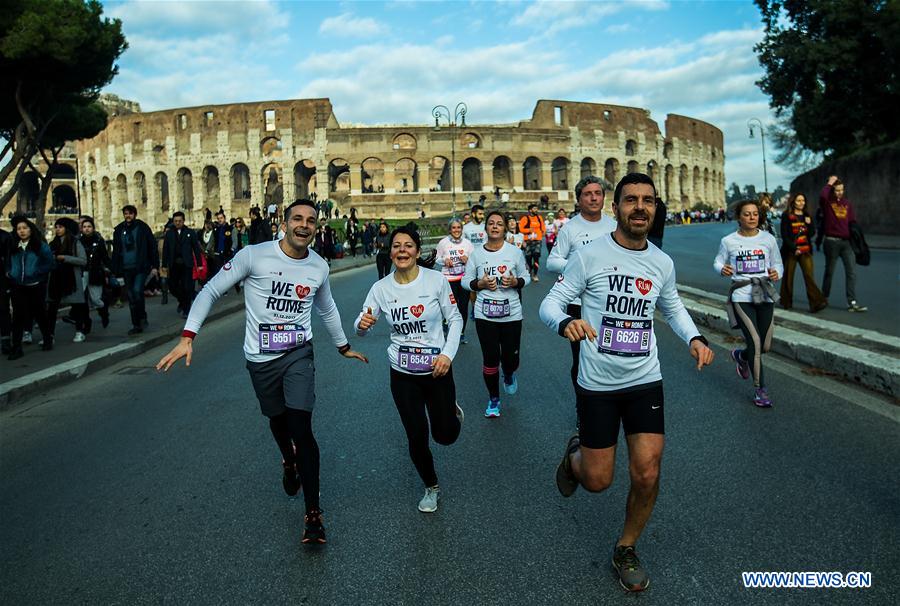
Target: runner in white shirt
column 475, row 233
column 283, row 280
column 577, row 232
column 750, row 257
column 416, row 301
column 495, row 272
column 622, row 280
column 513, row 235
column 452, row 254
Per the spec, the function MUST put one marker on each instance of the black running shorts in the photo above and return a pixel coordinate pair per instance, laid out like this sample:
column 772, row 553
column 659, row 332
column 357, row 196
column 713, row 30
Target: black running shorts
column 288, row 381
column 640, row 410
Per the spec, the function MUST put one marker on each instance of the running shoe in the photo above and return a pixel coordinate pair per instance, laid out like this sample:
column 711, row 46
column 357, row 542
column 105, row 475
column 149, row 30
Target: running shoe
column 510, row 385
column 761, row 398
column 26, row 338
column 79, row 337
column 429, row 502
column 743, row 367
column 566, row 481
column 460, row 414
column 857, row 308
column 290, row 480
column 314, row 532
column 632, row 576
column 493, row 408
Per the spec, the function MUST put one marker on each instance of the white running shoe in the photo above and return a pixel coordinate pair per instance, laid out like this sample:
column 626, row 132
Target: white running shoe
column 26, row 338
column 79, row 337
column 429, row 502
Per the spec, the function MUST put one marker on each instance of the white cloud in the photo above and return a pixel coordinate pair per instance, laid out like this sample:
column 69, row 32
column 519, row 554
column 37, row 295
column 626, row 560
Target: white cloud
column 349, row 26
column 172, row 17
column 552, row 16
column 620, row 28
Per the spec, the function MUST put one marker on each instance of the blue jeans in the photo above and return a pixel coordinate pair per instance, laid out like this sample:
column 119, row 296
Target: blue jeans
column 134, row 286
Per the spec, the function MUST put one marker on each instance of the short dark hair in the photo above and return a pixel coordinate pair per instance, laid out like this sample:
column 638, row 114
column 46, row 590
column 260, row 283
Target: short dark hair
column 427, row 261
column 477, row 207
column 178, row 213
column 533, row 205
column 579, row 187
column 299, row 202
column 633, row 179
column 88, row 219
column 740, row 204
column 220, row 212
column 254, row 211
column 130, row 208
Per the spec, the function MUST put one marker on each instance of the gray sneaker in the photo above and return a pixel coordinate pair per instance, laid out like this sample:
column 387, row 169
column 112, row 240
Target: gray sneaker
column 566, row 481
column 632, row 576
column 857, row 308
column 429, row 502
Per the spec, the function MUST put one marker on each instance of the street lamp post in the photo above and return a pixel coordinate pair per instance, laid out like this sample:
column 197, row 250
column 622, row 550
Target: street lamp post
column 442, row 111
column 762, row 136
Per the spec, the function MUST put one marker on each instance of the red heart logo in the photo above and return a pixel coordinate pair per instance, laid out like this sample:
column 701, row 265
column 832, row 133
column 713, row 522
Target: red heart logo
column 417, row 310
column 643, row 285
column 302, row 291
column 462, row 252
column 501, row 269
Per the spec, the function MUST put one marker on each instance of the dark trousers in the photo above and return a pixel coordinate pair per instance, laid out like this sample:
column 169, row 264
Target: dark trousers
column 816, row 298
column 29, row 304
column 383, row 263
column 421, row 399
column 134, row 287
column 5, row 314
column 181, row 283
column 837, row 248
column 78, row 312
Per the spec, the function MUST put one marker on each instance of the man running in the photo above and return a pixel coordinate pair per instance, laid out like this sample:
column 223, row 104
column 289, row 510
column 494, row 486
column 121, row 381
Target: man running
column 283, row 280
column 532, row 227
column 621, row 281
column 579, row 231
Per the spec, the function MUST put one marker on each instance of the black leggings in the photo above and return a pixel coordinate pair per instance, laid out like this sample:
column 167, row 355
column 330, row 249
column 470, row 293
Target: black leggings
column 29, row 304
column 462, row 301
column 416, row 394
column 499, row 347
column 574, row 311
column 757, row 323
column 292, row 431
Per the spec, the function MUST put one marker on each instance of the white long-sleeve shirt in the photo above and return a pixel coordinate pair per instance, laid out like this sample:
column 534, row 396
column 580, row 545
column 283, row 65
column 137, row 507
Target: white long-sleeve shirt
column 279, row 293
column 416, row 312
column 454, row 251
column 475, row 233
column 501, row 305
column 573, row 236
column 749, row 257
column 620, row 290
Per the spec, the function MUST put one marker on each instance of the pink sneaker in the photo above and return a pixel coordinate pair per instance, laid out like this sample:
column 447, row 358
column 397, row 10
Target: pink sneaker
column 761, row 398
column 743, row 367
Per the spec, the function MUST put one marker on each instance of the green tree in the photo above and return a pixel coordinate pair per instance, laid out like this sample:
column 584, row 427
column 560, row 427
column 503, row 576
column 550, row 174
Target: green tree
column 55, row 57
column 832, row 72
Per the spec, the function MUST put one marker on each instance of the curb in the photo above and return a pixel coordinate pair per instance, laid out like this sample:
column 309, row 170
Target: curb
column 874, row 370
column 17, row 390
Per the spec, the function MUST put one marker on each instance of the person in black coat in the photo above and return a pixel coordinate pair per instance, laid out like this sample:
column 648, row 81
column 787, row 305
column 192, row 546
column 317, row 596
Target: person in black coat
column 135, row 257
column 181, row 251
column 97, row 271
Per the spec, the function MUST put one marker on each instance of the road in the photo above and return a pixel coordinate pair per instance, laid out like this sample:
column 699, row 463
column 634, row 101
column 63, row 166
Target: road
column 693, row 247
column 130, row 487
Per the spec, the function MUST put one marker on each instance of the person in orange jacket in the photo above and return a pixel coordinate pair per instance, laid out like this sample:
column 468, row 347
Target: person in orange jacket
column 532, row 226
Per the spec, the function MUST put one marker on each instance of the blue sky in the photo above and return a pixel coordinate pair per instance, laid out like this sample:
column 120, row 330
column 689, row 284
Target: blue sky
column 390, row 62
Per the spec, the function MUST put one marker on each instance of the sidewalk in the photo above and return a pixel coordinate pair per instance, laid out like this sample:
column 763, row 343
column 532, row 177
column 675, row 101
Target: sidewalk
column 860, row 356
column 68, row 361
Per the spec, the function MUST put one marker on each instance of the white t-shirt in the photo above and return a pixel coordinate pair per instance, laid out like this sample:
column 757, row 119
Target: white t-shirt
column 475, row 233
column 517, row 240
column 454, row 250
column 750, row 258
column 416, row 312
column 279, row 293
column 573, row 235
column 501, row 305
column 620, row 290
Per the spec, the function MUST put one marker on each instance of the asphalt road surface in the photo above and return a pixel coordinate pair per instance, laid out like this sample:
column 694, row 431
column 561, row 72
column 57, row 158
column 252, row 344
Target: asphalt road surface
column 130, row 487
column 694, row 247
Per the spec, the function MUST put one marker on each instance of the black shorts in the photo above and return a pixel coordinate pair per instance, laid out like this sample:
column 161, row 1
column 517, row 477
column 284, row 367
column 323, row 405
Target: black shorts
column 288, row 381
column 640, row 410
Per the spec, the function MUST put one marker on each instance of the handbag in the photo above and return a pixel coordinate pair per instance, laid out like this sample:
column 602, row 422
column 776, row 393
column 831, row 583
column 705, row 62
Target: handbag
column 201, row 270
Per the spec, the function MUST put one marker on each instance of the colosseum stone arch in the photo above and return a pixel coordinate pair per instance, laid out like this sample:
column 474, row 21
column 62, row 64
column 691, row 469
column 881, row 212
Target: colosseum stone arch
column 247, row 154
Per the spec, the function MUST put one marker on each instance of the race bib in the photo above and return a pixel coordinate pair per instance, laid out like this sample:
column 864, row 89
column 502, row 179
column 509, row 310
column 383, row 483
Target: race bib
column 416, row 359
column 277, row 338
column 625, row 337
column 456, row 270
column 494, row 308
column 750, row 264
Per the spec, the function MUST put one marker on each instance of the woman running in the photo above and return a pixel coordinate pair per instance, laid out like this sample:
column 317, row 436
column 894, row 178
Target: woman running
column 751, row 259
column 452, row 254
column 513, row 235
column 495, row 271
column 418, row 301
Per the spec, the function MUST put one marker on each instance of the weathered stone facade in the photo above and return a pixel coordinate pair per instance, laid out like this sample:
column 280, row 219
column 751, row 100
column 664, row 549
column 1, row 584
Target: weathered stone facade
column 251, row 153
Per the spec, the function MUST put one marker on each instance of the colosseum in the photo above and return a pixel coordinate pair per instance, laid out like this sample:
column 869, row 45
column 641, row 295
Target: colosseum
column 250, row 154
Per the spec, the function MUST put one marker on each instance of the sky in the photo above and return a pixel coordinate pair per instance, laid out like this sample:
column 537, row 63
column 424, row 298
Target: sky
column 391, row 62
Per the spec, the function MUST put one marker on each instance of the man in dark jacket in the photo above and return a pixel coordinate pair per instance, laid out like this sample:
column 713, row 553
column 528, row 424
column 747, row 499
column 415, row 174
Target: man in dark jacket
column 181, row 250
column 135, row 257
column 259, row 229
column 221, row 243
